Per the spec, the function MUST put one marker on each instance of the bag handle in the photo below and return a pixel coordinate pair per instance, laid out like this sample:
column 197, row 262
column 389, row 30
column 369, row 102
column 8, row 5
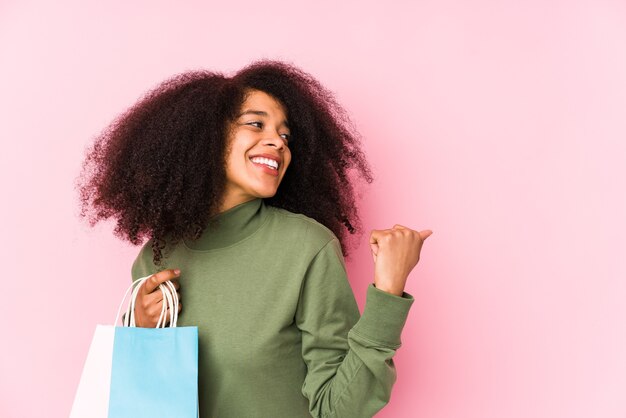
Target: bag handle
column 170, row 300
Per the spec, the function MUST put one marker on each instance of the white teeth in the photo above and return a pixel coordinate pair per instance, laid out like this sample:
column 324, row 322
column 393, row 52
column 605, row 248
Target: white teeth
column 270, row 163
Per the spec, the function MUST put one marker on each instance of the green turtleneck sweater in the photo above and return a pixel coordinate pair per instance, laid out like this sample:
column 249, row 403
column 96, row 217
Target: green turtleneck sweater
column 280, row 335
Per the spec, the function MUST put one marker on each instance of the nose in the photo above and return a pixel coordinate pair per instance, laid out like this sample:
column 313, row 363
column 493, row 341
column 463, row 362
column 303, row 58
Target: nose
column 276, row 141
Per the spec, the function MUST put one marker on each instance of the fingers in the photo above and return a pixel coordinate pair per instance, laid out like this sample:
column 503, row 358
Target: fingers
column 154, row 311
column 156, row 279
column 179, row 305
column 374, row 248
column 149, row 306
column 153, row 299
column 376, row 234
column 425, row 233
column 168, row 313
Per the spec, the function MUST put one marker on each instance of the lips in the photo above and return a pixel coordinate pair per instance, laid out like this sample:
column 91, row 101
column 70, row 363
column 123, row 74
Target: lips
column 276, row 158
column 263, row 167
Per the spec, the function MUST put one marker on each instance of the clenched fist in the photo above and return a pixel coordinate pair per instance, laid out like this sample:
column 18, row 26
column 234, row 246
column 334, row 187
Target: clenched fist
column 396, row 252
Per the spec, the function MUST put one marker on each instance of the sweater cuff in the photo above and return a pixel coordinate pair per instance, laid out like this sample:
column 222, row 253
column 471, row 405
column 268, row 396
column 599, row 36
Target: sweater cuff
column 384, row 316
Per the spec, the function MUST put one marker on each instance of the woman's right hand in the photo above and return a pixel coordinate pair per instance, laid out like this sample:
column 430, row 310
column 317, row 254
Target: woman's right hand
column 150, row 299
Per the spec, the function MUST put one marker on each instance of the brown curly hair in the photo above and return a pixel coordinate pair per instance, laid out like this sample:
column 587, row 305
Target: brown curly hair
column 159, row 167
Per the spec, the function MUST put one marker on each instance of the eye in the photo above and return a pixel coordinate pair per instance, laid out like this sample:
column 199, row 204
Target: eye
column 256, row 124
column 286, row 137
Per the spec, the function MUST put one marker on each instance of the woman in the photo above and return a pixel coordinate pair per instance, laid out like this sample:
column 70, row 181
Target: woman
column 242, row 187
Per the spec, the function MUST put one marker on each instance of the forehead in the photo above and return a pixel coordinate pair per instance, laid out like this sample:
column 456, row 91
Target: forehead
column 259, row 100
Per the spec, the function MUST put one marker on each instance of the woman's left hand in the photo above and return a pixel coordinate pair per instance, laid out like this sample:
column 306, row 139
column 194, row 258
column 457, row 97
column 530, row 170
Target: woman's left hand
column 396, row 252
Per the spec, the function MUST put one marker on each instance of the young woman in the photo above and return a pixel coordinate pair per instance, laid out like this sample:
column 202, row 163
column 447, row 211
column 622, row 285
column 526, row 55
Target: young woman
column 244, row 188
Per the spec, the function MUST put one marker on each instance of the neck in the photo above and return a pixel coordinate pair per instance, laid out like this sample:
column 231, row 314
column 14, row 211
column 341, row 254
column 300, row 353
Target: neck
column 231, row 225
column 230, row 202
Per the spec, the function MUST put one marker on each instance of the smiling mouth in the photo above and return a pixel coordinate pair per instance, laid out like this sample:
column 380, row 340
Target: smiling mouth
column 267, row 169
column 266, row 162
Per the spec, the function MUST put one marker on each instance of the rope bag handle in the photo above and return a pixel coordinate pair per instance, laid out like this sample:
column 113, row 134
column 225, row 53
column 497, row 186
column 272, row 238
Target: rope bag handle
column 170, row 300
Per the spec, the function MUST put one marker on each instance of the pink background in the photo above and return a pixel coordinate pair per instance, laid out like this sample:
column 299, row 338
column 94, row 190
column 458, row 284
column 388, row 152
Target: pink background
column 500, row 125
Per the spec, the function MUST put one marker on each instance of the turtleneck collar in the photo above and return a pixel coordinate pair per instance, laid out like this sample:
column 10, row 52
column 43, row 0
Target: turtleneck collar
column 232, row 226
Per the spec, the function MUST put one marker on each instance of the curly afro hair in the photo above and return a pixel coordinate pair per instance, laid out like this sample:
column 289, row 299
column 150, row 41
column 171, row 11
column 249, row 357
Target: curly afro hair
column 159, row 168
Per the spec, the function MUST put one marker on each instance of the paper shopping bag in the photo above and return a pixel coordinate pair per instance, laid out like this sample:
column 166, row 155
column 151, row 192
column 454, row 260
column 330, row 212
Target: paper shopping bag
column 141, row 372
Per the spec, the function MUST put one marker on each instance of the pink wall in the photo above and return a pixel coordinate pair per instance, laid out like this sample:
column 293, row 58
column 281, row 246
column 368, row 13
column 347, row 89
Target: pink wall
column 497, row 124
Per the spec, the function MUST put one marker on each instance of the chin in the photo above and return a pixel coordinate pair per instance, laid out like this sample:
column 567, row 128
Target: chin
column 267, row 195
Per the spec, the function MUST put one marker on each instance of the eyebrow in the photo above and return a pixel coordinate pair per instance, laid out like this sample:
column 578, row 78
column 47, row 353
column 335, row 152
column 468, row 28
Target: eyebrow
column 260, row 113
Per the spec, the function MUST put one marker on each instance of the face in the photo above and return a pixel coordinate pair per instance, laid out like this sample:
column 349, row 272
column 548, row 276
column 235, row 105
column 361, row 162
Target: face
column 258, row 154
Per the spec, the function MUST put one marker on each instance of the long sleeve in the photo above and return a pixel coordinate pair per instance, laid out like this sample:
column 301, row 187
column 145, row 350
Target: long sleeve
column 350, row 371
column 142, row 266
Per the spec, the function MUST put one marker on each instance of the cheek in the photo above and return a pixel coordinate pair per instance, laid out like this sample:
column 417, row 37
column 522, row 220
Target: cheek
column 237, row 153
column 286, row 164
